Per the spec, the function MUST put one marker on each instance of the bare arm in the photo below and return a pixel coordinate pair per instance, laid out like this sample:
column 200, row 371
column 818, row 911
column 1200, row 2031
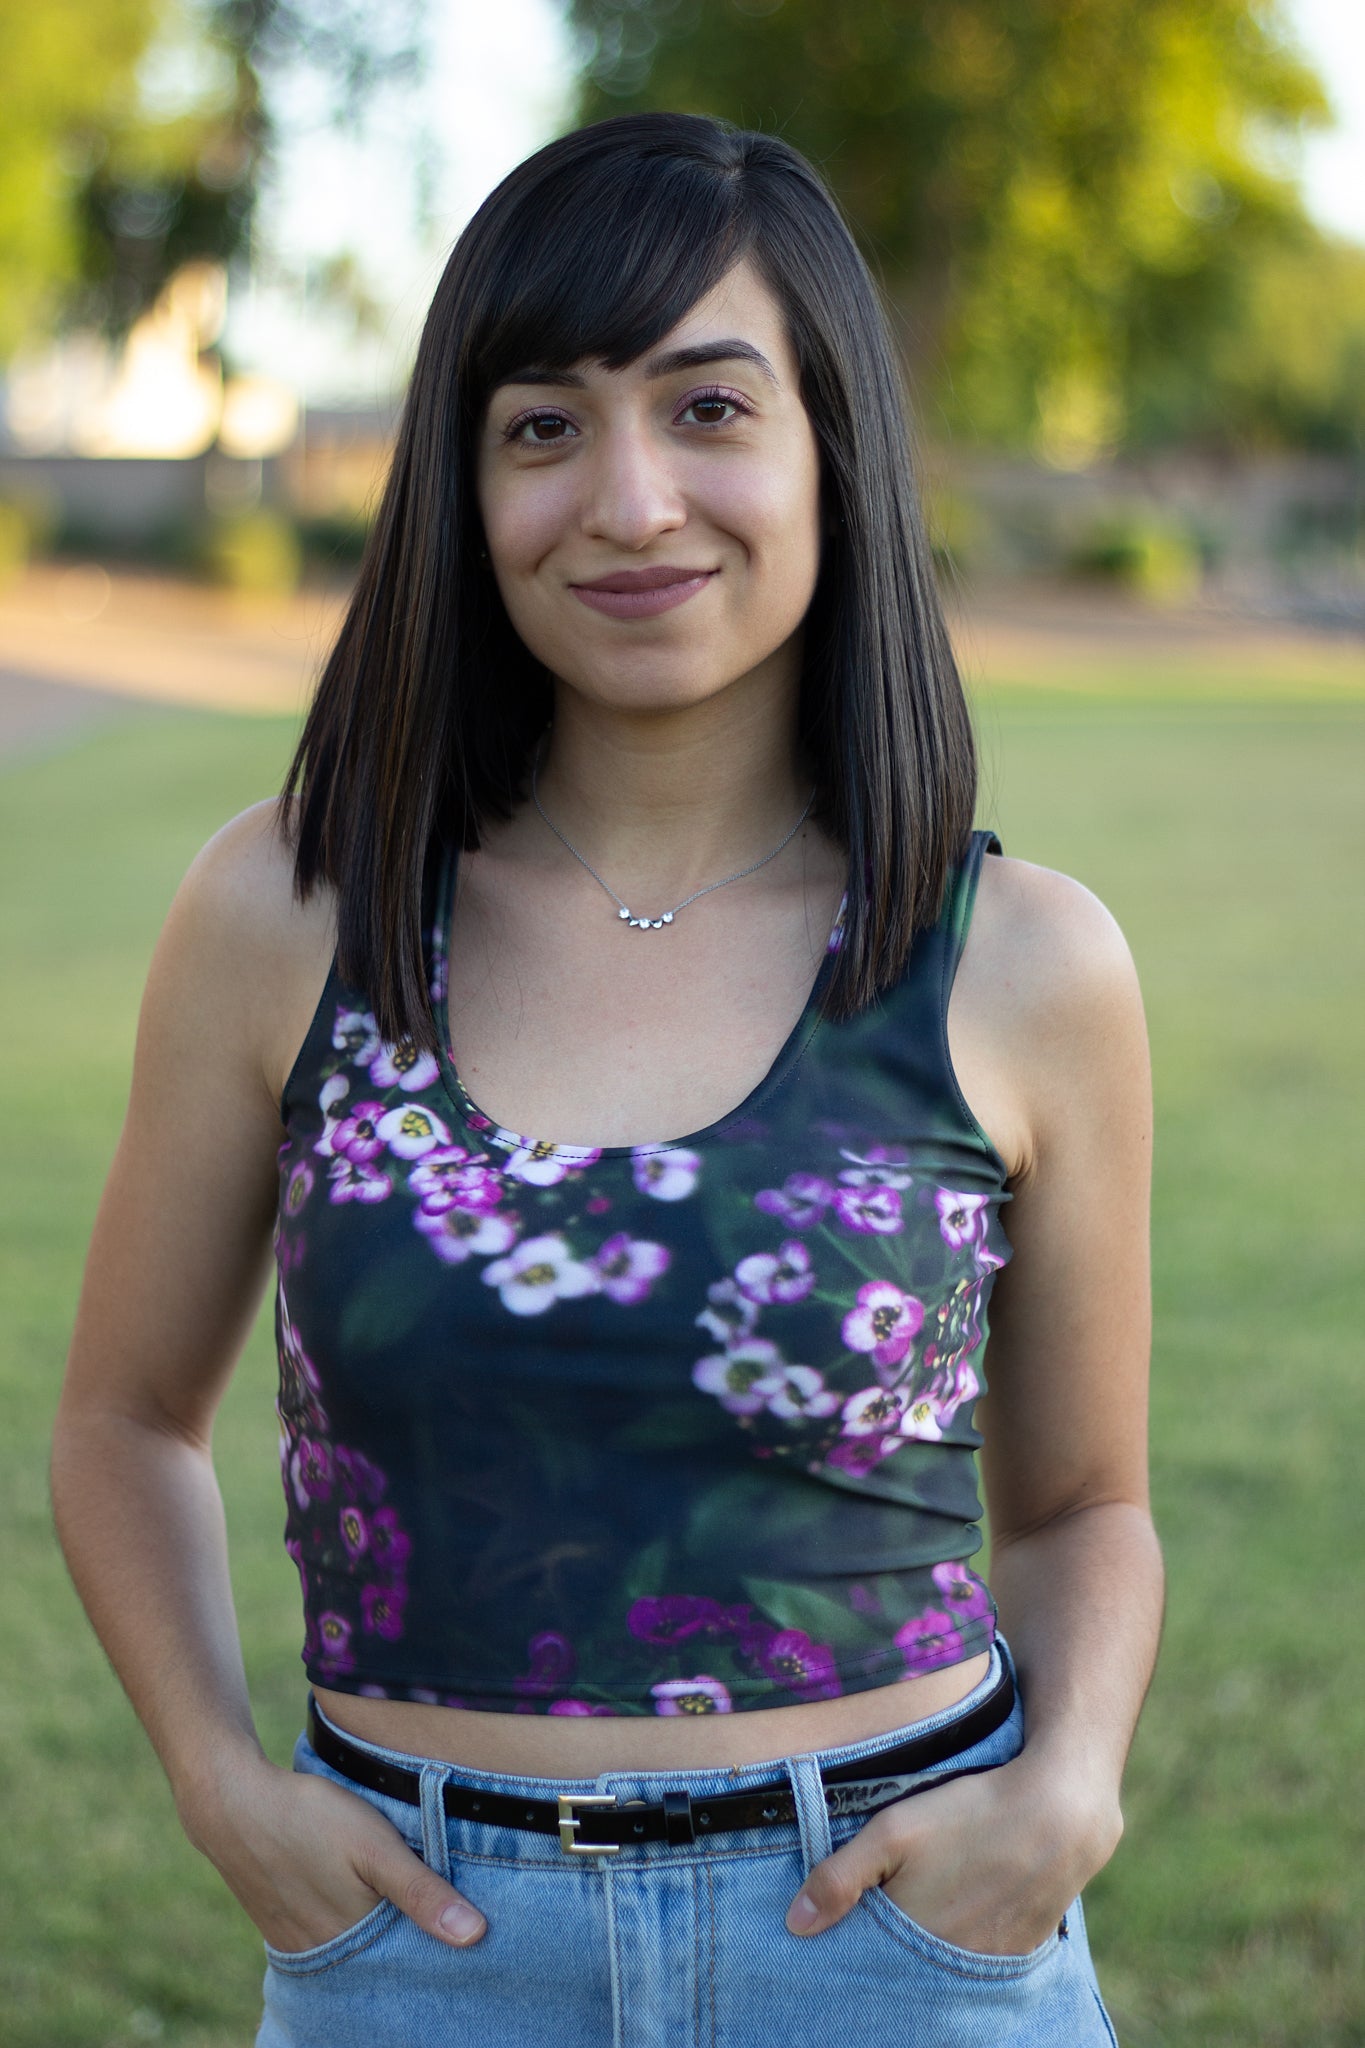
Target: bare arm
column 1054, row 1020
column 175, row 1272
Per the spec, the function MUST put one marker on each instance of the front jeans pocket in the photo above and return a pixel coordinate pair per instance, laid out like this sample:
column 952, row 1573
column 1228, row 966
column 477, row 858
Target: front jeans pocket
column 962, row 1962
column 350, row 1942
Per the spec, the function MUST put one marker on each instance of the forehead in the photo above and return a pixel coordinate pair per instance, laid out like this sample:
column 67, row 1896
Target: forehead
column 738, row 319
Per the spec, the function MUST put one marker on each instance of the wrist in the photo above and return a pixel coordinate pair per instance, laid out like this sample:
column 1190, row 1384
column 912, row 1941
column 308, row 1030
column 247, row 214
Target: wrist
column 1078, row 1809
column 211, row 1794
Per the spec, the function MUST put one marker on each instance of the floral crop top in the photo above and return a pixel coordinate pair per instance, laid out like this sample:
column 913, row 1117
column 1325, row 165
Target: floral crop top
column 663, row 1429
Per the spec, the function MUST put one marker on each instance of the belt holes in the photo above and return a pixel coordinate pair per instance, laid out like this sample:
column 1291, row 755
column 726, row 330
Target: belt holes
column 705, row 1819
column 477, row 1805
column 530, row 1813
column 639, row 1827
column 770, row 1813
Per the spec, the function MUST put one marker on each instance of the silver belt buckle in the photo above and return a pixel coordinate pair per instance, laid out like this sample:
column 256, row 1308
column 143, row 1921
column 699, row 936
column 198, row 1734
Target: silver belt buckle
column 568, row 1824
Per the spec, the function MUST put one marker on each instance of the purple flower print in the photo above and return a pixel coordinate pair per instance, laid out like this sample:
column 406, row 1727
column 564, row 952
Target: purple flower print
column 355, row 1180
column 734, row 1376
column 884, row 1322
column 310, row 1469
column 330, row 1094
column 598, row 1205
column 356, row 1135
column 880, row 1166
column 730, row 1316
column 797, row 1390
column 298, row 1187
column 961, row 1218
column 542, row 1165
column 577, row 1707
column 928, row 1641
column 668, row 1617
column 800, row 1202
column 859, row 1455
column 357, row 1477
column 923, row 1420
column 410, row 1131
column 354, row 1533
column 552, row 1661
column 381, row 1610
column 962, row 1591
column 962, row 1389
column 786, row 1275
column 403, row 1066
column 700, row 1695
column 628, row 1266
column 667, row 1172
column 862, row 1601
column 538, row 1273
column 872, row 1411
column 334, row 1644
column 357, row 1035
column 454, row 1234
column 876, row 1211
column 447, row 1178
column 390, row 1545
column 801, row 1665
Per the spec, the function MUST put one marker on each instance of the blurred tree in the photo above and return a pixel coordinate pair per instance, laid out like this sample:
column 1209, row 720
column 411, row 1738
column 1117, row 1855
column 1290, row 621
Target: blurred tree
column 137, row 134
column 1069, row 200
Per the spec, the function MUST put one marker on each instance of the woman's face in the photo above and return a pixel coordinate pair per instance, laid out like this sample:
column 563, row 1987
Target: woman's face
column 655, row 531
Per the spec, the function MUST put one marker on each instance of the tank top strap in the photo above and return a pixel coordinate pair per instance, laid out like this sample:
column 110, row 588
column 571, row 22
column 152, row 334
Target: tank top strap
column 956, row 918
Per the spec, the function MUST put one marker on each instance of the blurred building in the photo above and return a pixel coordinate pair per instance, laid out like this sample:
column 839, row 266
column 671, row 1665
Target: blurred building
column 113, row 447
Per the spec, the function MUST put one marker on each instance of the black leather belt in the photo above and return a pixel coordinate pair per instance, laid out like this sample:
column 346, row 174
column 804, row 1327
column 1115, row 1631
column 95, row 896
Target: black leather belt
column 677, row 1818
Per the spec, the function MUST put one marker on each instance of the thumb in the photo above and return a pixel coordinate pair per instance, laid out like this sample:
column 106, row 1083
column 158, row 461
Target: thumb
column 835, row 1885
column 427, row 1899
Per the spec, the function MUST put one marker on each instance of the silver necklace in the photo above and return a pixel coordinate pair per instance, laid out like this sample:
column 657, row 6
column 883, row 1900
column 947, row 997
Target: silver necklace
column 654, row 924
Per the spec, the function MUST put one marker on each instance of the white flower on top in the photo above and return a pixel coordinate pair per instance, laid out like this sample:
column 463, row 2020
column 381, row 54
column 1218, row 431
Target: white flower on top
column 538, row 1273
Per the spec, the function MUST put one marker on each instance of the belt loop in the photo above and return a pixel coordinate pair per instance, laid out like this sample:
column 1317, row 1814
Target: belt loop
column 812, row 1809
column 435, row 1837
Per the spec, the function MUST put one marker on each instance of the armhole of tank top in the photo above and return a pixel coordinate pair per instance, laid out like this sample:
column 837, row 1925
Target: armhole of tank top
column 314, row 1025
column 958, row 922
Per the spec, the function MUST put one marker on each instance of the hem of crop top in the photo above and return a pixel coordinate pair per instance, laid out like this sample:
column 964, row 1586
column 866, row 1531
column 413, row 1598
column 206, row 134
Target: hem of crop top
column 886, row 1666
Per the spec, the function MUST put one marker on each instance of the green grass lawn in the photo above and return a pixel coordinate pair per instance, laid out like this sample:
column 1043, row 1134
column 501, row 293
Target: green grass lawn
column 1225, row 837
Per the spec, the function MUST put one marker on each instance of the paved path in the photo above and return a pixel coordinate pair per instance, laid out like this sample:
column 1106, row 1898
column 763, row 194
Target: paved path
column 79, row 644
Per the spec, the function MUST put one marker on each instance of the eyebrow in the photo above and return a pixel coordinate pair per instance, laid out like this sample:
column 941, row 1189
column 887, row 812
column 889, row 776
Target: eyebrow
column 667, row 364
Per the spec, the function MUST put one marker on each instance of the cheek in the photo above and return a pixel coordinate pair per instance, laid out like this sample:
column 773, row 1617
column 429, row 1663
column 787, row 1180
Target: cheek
column 522, row 526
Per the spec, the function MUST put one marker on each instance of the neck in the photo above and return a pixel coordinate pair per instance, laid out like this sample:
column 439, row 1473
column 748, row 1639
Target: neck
column 669, row 801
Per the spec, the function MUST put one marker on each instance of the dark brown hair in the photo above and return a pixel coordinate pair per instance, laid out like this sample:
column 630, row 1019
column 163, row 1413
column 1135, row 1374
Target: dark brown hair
column 429, row 704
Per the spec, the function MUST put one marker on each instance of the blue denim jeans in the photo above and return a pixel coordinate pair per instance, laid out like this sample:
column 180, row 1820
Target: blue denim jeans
column 671, row 1947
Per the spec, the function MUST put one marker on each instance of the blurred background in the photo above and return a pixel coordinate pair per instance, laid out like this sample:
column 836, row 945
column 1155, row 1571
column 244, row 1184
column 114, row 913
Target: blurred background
column 1123, row 244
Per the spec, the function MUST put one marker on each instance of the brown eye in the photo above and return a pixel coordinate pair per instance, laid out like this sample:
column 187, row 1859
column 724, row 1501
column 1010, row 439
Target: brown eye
column 540, row 429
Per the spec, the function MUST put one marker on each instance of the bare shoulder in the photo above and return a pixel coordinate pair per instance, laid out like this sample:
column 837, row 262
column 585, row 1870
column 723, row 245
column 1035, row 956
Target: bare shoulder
column 250, row 957
column 1046, row 1022
column 1052, row 952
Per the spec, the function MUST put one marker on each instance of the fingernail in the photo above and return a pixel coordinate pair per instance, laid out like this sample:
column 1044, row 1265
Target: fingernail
column 461, row 1923
column 803, row 1911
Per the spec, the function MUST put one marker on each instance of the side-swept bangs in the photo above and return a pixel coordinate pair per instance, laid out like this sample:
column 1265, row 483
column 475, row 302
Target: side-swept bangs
column 428, row 707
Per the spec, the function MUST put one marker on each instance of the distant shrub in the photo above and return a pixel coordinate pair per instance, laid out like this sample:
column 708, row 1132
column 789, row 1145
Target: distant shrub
column 255, row 551
column 334, row 540
column 1147, row 551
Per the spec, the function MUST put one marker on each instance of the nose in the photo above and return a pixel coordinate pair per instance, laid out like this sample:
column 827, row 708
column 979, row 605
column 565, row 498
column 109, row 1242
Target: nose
column 631, row 493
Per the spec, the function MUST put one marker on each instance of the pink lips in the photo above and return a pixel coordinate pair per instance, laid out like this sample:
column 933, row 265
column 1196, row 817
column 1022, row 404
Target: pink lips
column 642, row 593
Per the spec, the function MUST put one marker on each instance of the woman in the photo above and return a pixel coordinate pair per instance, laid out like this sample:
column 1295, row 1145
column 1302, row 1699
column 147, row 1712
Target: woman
column 634, row 1249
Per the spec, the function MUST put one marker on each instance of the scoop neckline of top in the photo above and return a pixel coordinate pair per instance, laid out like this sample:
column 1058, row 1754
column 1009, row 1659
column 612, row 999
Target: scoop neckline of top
column 486, row 1127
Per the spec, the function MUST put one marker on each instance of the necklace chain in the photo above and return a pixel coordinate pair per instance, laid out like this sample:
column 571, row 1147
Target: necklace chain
column 624, row 912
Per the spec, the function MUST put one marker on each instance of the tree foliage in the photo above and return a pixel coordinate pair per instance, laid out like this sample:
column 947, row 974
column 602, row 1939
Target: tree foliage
column 1073, row 203
column 137, row 134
